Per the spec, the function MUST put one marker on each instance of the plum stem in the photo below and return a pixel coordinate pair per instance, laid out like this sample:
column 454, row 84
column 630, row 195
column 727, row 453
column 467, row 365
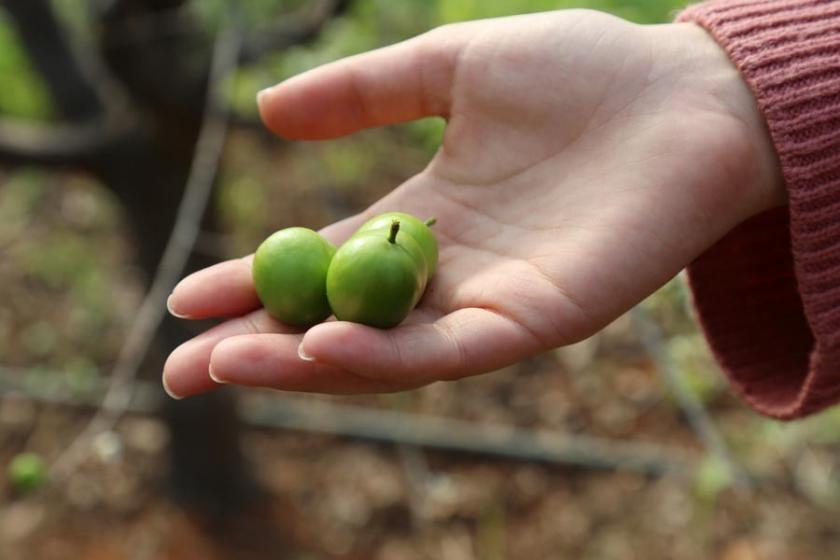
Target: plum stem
column 430, row 222
column 395, row 228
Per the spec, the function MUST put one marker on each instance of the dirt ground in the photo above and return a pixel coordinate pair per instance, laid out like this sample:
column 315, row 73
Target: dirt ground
column 69, row 289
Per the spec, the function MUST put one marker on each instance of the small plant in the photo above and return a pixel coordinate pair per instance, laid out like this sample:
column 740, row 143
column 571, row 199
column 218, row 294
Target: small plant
column 27, row 472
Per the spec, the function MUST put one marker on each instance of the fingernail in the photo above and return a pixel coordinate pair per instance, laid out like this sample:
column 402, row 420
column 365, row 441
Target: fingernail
column 169, row 391
column 213, row 375
column 303, row 355
column 262, row 94
column 172, row 311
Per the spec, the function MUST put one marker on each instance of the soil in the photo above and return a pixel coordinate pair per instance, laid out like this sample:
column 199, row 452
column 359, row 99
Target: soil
column 327, row 497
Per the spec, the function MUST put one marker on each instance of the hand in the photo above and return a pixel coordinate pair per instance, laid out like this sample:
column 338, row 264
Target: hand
column 586, row 161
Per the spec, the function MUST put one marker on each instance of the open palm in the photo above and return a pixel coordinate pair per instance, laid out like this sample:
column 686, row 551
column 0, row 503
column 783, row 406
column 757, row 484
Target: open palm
column 585, row 162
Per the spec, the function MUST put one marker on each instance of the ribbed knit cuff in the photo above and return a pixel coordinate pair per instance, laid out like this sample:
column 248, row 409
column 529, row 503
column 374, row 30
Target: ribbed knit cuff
column 768, row 294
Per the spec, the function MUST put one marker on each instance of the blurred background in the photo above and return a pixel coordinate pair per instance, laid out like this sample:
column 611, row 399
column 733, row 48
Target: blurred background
column 628, row 445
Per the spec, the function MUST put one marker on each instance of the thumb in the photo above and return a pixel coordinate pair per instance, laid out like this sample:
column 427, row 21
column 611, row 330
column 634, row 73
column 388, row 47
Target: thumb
column 402, row 82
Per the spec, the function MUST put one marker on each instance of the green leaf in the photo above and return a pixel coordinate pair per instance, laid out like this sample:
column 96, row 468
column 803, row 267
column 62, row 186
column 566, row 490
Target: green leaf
column 23, row 93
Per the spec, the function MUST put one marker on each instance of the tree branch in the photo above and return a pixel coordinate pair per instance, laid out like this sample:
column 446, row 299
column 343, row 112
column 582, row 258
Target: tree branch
column 292, row 31
column 698, row 418
column 69, row 145
column 46, row 44
column 508, row 442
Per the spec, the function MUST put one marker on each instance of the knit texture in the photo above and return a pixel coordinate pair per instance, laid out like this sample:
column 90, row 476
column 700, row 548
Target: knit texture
column 768, row 294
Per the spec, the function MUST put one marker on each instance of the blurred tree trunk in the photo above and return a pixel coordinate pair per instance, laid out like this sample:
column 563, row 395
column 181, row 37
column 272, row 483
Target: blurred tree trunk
column 146, row 164
column 130, row 114
column 167, row 77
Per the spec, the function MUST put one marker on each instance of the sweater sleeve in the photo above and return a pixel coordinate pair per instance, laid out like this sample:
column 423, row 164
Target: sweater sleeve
column 768, row 294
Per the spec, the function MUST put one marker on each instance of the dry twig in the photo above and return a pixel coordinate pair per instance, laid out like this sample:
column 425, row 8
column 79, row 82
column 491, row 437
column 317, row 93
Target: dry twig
column 182, row 238
column 700, row 421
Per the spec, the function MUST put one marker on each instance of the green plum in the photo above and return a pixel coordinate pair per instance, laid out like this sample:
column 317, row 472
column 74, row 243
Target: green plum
column 416, row 228
column 290, row 274
column 377, row 277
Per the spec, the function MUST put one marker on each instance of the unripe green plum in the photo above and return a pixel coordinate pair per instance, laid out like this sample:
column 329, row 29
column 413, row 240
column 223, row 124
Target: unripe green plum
column 377, row 277
column 413, row 226
column 290, row 274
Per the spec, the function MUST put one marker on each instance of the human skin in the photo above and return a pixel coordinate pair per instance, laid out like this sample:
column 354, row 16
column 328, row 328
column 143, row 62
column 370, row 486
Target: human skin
column 586, row 161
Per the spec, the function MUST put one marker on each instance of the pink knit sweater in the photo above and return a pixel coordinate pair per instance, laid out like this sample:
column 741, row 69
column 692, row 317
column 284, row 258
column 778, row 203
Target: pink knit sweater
column 768, row 294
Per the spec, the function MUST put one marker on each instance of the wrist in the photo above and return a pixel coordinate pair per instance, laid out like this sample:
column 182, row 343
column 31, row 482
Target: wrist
column 710, row 81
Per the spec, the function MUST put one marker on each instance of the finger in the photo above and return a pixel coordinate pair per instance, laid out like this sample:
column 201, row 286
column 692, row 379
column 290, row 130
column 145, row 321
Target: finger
column 186, row 371
column 406, row 81
column 272, row 360
column 466, row 342
column 224, row 289
column 227, row 289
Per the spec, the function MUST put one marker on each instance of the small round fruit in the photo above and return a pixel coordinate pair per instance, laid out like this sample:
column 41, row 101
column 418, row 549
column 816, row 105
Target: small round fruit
column 27, row 472
column 290, row 273
column 410, row 244
column 415, row 227
column 376, row 278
